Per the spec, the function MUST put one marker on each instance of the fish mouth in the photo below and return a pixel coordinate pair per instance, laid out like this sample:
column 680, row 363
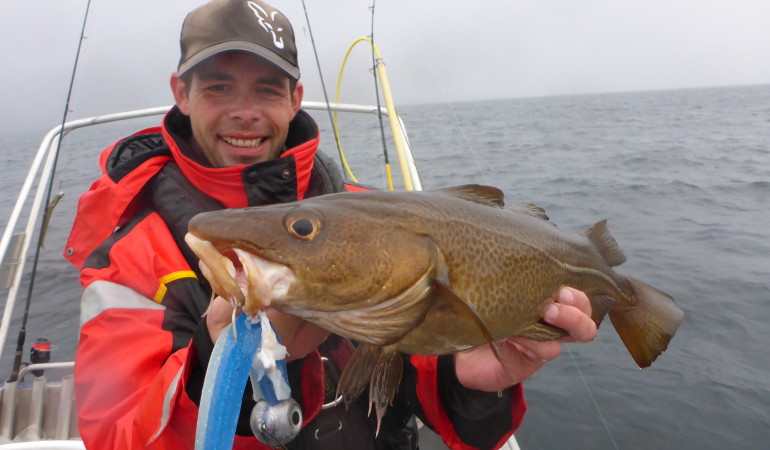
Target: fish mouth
column 240, row 276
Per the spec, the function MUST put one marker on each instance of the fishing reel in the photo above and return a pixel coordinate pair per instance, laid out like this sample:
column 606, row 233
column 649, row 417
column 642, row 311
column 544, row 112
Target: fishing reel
column 40, row 353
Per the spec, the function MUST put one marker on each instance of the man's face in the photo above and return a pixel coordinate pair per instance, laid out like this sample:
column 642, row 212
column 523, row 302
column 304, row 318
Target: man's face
column 239, row 107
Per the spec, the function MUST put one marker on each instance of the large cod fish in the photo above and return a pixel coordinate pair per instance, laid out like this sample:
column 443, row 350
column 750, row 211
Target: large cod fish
column 421, row 273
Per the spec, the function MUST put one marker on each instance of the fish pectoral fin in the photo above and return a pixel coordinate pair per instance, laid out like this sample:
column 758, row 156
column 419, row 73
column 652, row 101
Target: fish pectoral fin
column 541, row 331
column 385, row 381
column 387, row 321
column 476, row 193
column 463, row 310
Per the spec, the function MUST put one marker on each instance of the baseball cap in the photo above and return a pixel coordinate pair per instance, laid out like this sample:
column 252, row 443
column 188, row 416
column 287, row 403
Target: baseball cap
column 238, row 26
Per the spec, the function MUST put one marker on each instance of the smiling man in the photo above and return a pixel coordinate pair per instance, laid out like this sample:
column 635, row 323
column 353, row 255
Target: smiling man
column 239, row 107
column 237, row 137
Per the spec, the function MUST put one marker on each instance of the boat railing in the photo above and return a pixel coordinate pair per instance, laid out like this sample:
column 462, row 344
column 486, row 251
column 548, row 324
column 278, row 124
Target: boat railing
column 40, row 409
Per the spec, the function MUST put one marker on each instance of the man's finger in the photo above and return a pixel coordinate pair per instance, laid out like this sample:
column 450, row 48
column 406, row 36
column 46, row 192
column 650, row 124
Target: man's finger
column 573, row 297
column 574, row 321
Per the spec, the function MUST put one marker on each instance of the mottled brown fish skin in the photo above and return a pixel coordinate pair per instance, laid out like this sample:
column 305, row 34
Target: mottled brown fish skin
column 504, row 264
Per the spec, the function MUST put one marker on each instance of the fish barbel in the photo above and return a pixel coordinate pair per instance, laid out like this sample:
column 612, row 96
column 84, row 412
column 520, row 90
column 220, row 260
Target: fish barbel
column 422, row 273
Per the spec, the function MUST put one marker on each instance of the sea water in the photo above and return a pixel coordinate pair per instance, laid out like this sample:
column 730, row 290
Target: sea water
column 683, row 178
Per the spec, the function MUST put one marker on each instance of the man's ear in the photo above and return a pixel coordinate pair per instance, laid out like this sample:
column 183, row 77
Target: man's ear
column 179, row 89
column 296, row 98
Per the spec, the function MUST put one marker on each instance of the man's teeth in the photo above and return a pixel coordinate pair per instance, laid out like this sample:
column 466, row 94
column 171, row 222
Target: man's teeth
column 243, row 142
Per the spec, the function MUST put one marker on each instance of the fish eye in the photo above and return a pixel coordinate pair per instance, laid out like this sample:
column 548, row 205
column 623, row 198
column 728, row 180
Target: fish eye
column 303, row 228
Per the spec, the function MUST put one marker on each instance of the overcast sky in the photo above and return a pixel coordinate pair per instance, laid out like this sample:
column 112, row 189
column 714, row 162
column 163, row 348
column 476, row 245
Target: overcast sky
column 435, row 51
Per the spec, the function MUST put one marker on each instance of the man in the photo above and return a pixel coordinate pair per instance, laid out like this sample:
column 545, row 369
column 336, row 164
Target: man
column 238, row 137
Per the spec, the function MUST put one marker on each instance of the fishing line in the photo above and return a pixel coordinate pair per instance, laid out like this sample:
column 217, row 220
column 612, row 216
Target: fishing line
column 263, row 430
column 591, row 395
column 47, row 211
column 323, row 85
column 455, row 117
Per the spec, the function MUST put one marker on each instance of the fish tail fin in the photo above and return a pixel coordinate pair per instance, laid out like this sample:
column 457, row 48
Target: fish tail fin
column 605, row 244
column 648, row 325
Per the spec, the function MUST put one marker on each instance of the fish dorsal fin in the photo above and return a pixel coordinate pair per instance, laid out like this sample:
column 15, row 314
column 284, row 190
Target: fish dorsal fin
column 533, row 210
column 605, row 244
column 483, row 195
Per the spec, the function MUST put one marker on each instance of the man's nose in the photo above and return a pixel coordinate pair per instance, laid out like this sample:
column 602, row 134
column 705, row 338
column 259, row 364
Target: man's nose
column 246, row 107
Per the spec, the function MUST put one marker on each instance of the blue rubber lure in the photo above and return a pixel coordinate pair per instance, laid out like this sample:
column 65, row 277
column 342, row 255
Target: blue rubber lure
column 231, row 363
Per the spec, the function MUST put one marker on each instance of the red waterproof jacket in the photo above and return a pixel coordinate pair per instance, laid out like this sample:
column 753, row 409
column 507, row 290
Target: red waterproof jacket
column 143, row 347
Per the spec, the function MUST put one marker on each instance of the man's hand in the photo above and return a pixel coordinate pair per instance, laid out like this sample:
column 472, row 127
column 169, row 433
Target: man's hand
column 297, row 335
column 479, row 369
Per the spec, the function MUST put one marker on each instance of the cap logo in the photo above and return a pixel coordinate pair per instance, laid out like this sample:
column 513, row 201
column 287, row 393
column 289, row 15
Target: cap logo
column 266, row 24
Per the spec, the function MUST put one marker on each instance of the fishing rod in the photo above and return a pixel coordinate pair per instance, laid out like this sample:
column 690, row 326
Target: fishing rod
column 410, row 178
column 47, row 212
column 377, row 65
column 377, row 94
column 323, row 85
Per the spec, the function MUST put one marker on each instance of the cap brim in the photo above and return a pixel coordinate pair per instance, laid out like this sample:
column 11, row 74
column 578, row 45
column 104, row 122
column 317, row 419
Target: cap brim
column 239, row 46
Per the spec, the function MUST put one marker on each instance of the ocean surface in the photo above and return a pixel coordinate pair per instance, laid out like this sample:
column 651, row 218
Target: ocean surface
column 683, row 178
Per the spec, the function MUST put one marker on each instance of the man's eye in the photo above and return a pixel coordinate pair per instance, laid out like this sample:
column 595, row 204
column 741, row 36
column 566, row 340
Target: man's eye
column 217, row 88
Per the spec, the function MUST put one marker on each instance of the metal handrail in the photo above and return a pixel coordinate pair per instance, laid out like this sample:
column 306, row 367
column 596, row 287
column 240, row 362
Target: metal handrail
column 67, row 365
column 48, row 152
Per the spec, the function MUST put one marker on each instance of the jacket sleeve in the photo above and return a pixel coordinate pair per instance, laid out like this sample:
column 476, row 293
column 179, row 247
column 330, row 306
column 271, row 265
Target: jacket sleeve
column 464, row 418
column 128, row 382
